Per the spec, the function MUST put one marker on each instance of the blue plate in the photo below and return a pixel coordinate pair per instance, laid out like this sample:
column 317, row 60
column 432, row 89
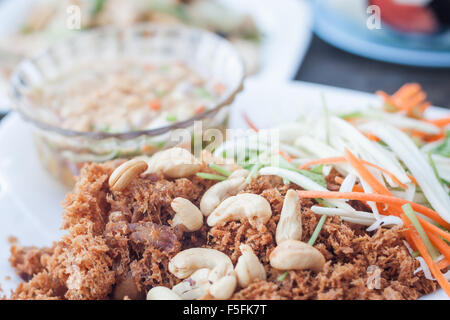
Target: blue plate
column 350, row 33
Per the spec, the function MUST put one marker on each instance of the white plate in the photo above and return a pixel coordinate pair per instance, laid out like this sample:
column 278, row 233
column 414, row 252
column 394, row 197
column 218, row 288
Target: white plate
column 286, row 26
column 30, row 199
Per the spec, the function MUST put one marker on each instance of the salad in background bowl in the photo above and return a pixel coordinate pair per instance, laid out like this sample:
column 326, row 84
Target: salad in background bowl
column 41, row 22
column 127, row 94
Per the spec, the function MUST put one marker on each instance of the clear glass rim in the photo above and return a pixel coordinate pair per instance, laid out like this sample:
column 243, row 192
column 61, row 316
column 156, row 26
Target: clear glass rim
column 224, row 101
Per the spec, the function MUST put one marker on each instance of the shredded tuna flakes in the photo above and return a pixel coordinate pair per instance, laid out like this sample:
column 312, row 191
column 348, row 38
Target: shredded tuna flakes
column 122, row 256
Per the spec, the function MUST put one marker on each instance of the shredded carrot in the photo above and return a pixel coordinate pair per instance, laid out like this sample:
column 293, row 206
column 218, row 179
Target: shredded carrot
column 375, row 198
column 387, row 99
column 410, row 98
column 342, row 159
column 154, row 104
column 409, row 239
column 365, row 174
column 414, row 101
column 249, row 122
column 431, row 228
column 444, row 263
column 375, row 185
column 443, row 282
column 440, row 245
column 322, row 161
column 406, row 91
column 219, row 88
column 200, row 109
column 391, row 175
column 358, row 188
column 441, row 122
column 435, row 137
column 424, row 106
column 413, row 180
column 285, row 156
column 426, row 137
column 371, row 137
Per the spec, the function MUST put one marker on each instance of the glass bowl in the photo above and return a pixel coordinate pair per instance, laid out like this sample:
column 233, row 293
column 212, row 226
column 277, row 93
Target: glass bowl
column 62, row 151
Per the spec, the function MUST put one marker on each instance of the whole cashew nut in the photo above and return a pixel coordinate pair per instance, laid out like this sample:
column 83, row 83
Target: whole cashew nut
column 290, row 224
column 174, row 163
column 246, row 205
column 121, row 177
column 188, row 261
column 218, row 280
column 186, row 214
column 296, row 255
column 248, row 267
column 221, row 191
column 162, row 293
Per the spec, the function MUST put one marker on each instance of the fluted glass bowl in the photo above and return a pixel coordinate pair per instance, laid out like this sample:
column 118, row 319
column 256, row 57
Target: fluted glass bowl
column 64, row 151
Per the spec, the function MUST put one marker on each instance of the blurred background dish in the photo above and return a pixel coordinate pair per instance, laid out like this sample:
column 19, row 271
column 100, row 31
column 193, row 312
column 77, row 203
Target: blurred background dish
column 256, row 27
column 412, row 32
column 125, row 96
column 45, row 21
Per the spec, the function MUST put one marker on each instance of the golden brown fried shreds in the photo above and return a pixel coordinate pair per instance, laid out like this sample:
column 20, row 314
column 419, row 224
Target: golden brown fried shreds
column 347, row 278
column 119, row 245
column 28, row 260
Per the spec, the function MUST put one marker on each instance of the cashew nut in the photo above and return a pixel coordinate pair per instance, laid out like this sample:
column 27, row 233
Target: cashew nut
column 239, row 173
column 223, row 288
column 125, row 173
column 248, row 267
column 220, row 191
column 174, row 163
column 195, row 287
column 190, row 260
column 162, row 293
column 246, row 205
column 290, row 224
column 211, row 273
column 187, row 214
column 296, row 255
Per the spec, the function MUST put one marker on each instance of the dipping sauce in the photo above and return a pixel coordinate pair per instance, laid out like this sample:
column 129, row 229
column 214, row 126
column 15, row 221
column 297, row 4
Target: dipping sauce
column 124, row 96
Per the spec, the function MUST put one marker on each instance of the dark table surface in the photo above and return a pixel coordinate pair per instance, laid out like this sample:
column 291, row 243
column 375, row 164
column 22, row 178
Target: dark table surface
column 328, row 65
column 325, row 64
